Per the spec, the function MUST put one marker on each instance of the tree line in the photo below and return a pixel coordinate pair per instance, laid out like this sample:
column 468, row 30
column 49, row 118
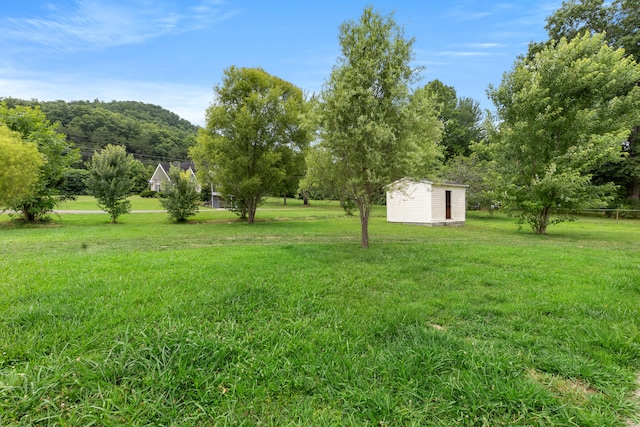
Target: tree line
column 563, row 135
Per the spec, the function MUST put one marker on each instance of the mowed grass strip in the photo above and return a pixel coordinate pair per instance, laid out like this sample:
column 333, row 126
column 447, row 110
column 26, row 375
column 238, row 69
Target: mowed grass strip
column 289, row 322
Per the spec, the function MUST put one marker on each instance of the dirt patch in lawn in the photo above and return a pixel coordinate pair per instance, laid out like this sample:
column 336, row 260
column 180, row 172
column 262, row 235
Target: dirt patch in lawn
column 636, row 396
column 570, row 390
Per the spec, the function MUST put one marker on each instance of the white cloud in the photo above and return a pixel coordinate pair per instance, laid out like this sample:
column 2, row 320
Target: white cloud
column 465, row 13
column 458, row 54
column 432, row 63
column 485, row 45
column 98, row 24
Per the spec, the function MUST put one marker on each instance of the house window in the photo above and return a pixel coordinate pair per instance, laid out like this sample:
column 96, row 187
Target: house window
column 447, row 203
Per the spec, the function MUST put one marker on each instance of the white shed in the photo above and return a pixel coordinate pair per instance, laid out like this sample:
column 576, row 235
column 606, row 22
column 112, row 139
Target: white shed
column 426, row 203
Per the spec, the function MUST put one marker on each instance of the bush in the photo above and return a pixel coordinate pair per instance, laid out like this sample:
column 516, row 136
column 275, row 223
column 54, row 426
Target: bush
column 147, row 194
column 75, row 182
column 205, row 196
column 633, row 206
column 181, row 199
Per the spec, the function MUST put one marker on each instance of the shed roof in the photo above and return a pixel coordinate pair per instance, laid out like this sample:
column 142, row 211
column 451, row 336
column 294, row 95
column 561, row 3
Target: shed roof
column 426, row 181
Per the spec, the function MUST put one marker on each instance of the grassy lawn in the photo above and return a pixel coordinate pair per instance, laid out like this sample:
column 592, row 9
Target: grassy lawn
column 89, row 203
column 289, row 322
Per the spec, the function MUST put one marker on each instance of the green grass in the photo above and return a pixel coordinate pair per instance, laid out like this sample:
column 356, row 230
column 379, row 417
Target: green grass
column 270, row 209
column 289, row 322
column 89, row 203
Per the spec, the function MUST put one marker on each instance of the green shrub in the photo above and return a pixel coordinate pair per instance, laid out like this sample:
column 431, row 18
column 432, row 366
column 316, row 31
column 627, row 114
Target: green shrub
column 631, row 209
column 147, row 194
column 180, row 197
column 75, row 182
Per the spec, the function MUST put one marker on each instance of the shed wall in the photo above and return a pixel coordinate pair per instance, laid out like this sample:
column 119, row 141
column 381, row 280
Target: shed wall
column 412, row 203
column 425, row 203
column 438, row 204
column 458, row 203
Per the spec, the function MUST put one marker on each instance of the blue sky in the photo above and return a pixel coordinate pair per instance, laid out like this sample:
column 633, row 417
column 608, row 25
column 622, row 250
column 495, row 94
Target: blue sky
column 172, row 52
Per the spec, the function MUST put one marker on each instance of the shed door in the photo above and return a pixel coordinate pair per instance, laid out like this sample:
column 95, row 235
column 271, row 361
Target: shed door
column 447, row 203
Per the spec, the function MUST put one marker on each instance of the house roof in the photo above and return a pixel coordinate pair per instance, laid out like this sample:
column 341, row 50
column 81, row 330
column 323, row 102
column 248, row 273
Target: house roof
column 182, row 165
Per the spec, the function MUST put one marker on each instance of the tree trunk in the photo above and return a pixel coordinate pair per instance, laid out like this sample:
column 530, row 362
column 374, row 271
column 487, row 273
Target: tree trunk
column 365, row 210
column 305, row 199
column 28, row 216
column 251, row 211
column 285, row 199
column 633, row 188
column 541, row 227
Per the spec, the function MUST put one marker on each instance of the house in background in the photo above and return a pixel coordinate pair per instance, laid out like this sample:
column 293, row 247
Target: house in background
column 161, row 175
column 426, row 203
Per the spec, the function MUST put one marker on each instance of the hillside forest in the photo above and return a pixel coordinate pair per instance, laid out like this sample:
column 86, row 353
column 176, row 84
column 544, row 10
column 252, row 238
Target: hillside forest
column 149, row 132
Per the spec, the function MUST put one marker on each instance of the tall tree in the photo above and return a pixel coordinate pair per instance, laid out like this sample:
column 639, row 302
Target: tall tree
column 293, row 163
column 461, row 118
column 110, row 180
column 254, row 119
column 20, row 169
column 319, row 181
column 33, row 126
column 478, row 173
column 140, row 176
column 562, row 113
column 369, row 124
column 619, row 20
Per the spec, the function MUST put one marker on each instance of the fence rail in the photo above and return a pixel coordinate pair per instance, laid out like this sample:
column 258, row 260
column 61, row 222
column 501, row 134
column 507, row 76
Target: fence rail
column 617, row 211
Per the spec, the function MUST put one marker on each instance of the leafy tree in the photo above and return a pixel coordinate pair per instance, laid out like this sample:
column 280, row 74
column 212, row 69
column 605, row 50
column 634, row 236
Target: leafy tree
column 75, row 181
column 461, row 118
column 476, row 172
column 255, row 118
column 21, row 163
column 140, row 175
column 478, row 169
column 58, row 156
column 562, row 113
column 320, row 180
column 293, row 163
column 110, row 180
column 619, row 20
column 373, row 129
column 181, row 197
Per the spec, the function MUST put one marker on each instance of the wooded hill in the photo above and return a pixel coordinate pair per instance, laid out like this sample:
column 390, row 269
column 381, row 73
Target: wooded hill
column 149, row 132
